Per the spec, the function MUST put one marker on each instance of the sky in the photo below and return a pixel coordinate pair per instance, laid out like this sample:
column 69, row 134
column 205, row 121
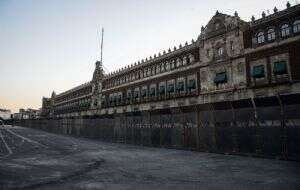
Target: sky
column 53, row 45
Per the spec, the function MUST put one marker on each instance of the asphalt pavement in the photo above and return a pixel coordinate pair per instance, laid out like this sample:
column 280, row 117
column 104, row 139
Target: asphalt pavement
column 33, row 159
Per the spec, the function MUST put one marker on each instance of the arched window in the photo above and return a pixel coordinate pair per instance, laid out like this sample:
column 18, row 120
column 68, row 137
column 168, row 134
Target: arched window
column 260, row 38
column 271, row 34
column 167, row 66
column 184, row 60
column 191, row 58
column 297, row 26
column 157, row 68
column 285, row 30
column 220, row 51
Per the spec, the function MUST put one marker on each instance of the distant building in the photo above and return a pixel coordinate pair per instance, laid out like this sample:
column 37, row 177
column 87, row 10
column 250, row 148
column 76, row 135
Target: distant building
column 231, row 60
column 27, row 114
column 5, row 114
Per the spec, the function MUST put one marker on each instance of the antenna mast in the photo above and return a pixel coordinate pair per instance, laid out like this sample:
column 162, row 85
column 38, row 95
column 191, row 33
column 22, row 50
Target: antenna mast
column 102, row 45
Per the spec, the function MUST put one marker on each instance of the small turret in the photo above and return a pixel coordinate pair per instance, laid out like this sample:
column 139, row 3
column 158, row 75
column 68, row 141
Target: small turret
column 236, row 14
column 288, row 5
column 202, row 29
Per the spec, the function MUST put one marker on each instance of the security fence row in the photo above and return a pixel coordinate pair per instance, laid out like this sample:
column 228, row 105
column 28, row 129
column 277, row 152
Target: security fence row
column 267, row 131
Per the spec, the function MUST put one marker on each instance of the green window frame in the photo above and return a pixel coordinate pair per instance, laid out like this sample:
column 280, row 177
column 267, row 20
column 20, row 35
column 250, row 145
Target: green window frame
column 152, row 92
column 258, row 71
column 129, row 96
column 170, row 88
column 111, row 100
column 180, row 86
column 119, row 98
column 136, row 95
column 280, row 68
column 220, row 78
column 144, row 93
column 103, row 101
column 192, row 84
column 162, row 90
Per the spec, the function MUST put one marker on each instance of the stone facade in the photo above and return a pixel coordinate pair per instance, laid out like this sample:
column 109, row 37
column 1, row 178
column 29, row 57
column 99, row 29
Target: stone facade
column 231, row 60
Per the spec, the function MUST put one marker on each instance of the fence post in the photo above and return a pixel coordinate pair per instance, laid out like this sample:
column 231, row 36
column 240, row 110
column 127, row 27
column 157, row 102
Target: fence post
column 234, row 133
column 212, row 123
column 257, row 132
column 124, row 120
column 198, row 128
column 284, row 130
column 160, row 131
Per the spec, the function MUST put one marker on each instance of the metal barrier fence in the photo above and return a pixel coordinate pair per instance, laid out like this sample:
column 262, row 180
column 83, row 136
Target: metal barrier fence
column 265, row 130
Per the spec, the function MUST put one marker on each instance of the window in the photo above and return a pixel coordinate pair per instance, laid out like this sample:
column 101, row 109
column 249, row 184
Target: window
column 240, row 68
column 231, row 46
column 180, row 86
column 297, row 26
column 111, row 100
column 148, row 70
column 220, row 51
column 128, row 96
column 207, row 52
column 258, row 71
column 162, row 90
column 260, row 38
column 191, row 58
column 173, row 64
column 279, row 68
column 103, row 101
column 136, row 95
column 162, row 67
column 171, row 88
column 220, row 78
column 141, row 74
column 184, row 60
column 178, row 62
column 152, row 92
column 285, row 30
column 167, row 66
column 144, row 93
column 115, row 99
column 271, row 34
column 192, row 84
column 119, row 98
column 157, row 69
